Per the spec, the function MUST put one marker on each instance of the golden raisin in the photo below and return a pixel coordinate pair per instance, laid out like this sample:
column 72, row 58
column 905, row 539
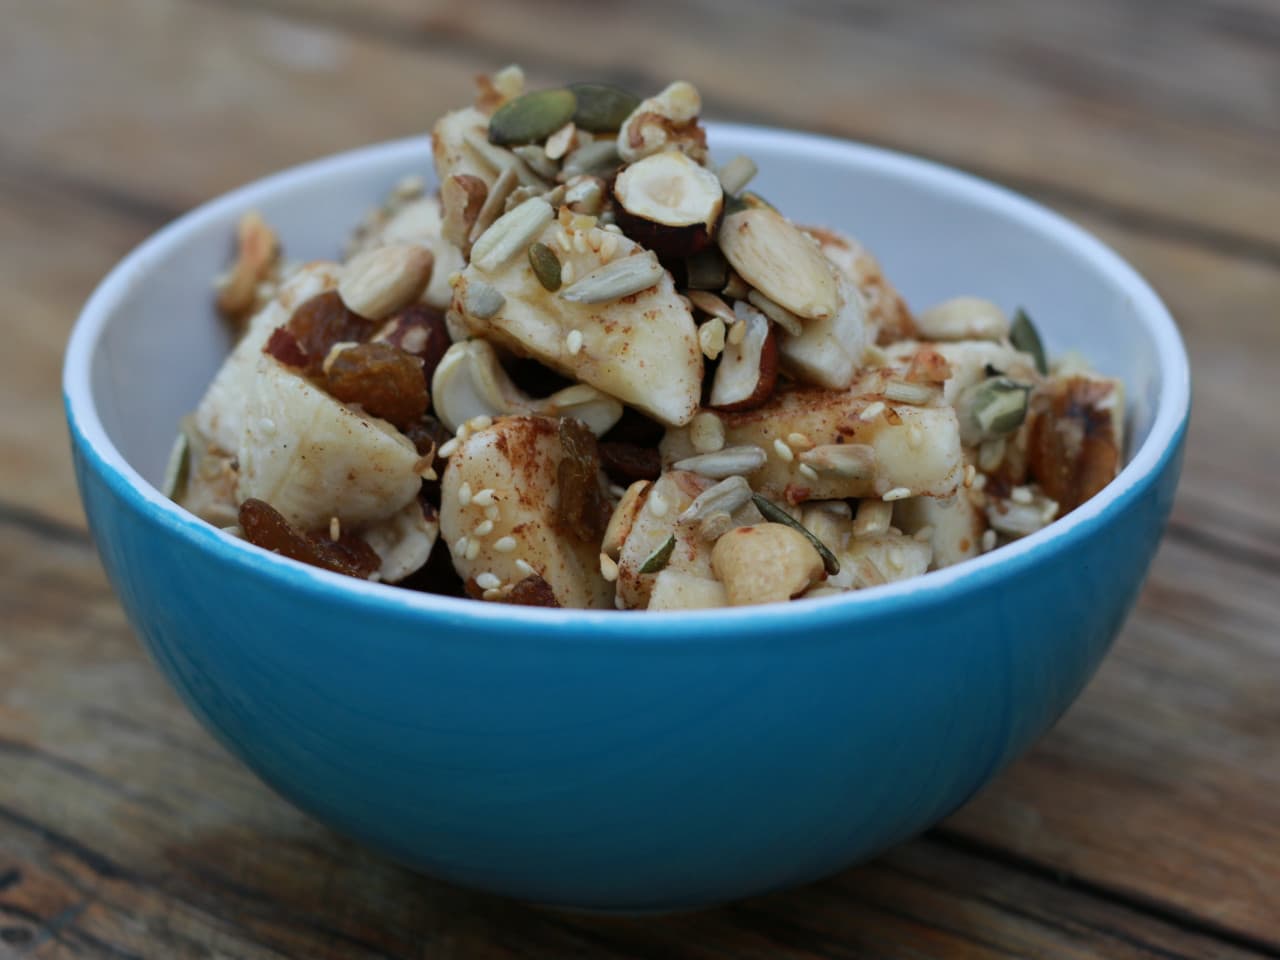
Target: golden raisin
column 584, row 507
column 321, row 322
column 384, row 380
column 265, row 527
column 419, row 330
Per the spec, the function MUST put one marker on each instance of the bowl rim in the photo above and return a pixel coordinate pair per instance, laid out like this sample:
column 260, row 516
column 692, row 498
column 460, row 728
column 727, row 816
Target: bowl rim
column 935, row 587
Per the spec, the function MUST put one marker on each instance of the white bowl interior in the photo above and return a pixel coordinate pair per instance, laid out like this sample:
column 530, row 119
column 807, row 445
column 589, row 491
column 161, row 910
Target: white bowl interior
column 937, row 233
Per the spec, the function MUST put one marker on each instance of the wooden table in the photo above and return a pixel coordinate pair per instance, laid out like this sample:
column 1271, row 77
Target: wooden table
column 1146, row 825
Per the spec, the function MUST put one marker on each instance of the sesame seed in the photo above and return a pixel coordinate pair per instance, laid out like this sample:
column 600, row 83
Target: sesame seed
column 969, row 473
column 608, row 568
column 473, row 549
column 873, row 410
column 563, row 240
column 448, row 448
column 487, row 581
column 267, row 425
column 492, row 512
column 737, row 332
column 1020, row 495
column 484, row 498
column 566, row 273
column 980, row 481
column 613, row 228
column 574, row 342
column 988, row 541
column 925, row 533
column 524, row 567
column 896, row 557
column 782, row 450
column 914, row 436
column 808, row 472
column 608, row 246
column 580, row 243
column 482, row 422
column 505, row 544
column 491, row 594
column 460, row 547
column 335, row 529
column 706, row 432
column 483, row 528
column 658, row 505
column 897, row 493
column 799, row 440
column 464, row 493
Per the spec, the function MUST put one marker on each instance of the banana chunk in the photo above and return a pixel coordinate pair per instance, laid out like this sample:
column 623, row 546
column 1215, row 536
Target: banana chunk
column 499, row 515
column 640, row 346
column 313, row 458
column 220, row 416
column 888, row 318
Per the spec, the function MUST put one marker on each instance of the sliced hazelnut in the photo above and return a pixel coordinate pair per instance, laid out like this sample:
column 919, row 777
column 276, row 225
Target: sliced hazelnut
column 748, row 369
column 780, row 261
column 669, row 203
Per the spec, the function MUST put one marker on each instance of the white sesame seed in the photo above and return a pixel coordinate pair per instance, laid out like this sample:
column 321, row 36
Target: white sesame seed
column 482, row 422
column 563, row 240
column 706, row 432
column 505, row 544
column 580, row 243
column 464, row 493
column 335, row 529
column 460, row 547
column 608, row 246
column 613, row 228
column 925, row 533
column 914, row 436
column 487, row 581
column 492, row 512
column 896, row 557
column 267, row 426
column 988, row 541
column 897, row 493
column 491, row 594
column 782, row 450
column 524, row 567
column 980, row 481
column 566, row 273
column 658, row 505
column 483, row 528
column 483, row 498
column 808, row 472
column 473, row 549
column 448, row 448
column 800, row 440
column 608, row 568
column 574, row 342
column 873, row 410
column 1020, row 495
column 969, row 473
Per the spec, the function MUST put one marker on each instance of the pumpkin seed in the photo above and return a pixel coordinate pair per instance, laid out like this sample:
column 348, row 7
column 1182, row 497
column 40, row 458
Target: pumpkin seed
column 599, row 158
column 706, row 270
column 532, row 117
column 775, row 514
column 659, row 559
column 602, row 108
column 1024, row 336
column 178, row 468
column 996, row 407
column 546, row 266
column 615, row 280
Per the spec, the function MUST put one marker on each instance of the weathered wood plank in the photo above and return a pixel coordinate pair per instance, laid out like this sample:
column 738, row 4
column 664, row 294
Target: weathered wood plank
column 103, row 767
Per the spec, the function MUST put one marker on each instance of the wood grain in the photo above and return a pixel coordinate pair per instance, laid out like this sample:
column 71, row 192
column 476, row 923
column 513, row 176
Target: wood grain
column 1146, row 824
column 125, row 831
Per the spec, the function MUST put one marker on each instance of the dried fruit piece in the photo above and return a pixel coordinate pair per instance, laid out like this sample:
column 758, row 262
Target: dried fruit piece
column 385, row 380
column 1024, row 336
column 532, row 117
column 419, row 330
column 602, row 108
column 584, row 509
column 668, row 203
column 1074, row 446
column 532, row 591
column 265, row 527
column 780, row 261
column 546, row 266
column 627, row 462
column 321, row 322
column 748, row 369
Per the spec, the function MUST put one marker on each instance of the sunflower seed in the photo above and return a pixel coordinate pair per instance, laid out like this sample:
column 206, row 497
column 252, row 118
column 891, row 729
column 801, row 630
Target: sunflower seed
column 538, row 161
column 495, row 203
column 843, row 459
column 546, row 266
column 902, row 391
column 615, row 280
column 737, row 173
column 598, row 158
column 725, row 497
column 728, row 462
column 509, row 233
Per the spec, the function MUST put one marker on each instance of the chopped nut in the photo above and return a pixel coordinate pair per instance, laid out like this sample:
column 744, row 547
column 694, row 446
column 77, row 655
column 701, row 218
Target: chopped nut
column 774, row 256
column 963, row 318
column 766, row 563
column 706, row 433
column 462, row 196
column 384, row 280
column 258, row 253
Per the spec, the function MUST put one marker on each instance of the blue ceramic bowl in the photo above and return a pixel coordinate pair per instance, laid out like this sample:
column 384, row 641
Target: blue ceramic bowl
column 629, row 761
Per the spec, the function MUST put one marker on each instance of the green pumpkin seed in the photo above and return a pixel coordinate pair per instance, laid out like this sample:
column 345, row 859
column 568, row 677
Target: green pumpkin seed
column 1024, row 336
column 706, row 270
column 546, row 266
column 659, row 559
column 775, row 514
column 996, row 406
column 602, row 108
column 178, row 469
column 532, row 117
